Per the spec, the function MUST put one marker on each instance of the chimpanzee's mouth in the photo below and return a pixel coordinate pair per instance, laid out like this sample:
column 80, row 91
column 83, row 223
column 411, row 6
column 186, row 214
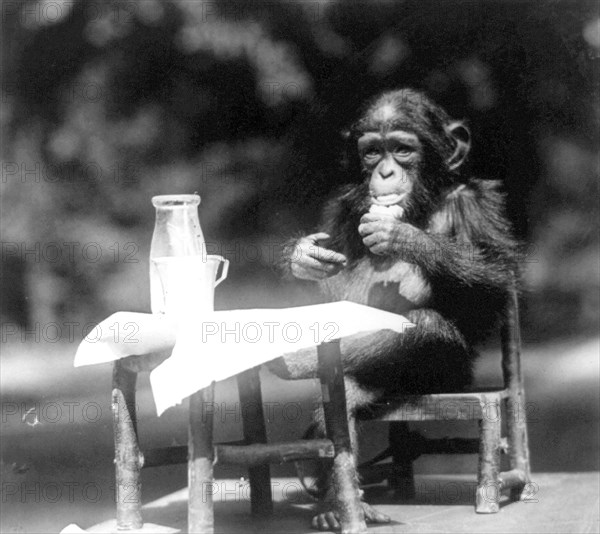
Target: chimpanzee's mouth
column 388, row 200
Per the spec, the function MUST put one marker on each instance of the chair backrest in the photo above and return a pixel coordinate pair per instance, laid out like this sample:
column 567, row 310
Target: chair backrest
column 510, row 335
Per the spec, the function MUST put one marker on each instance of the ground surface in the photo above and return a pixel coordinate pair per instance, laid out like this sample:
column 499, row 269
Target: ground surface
column 561, row 503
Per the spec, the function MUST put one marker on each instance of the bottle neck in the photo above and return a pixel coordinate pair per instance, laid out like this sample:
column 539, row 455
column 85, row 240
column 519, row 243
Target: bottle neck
column 177, row 231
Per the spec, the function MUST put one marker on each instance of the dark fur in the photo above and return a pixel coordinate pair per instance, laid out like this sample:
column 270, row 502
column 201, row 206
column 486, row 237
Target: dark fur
column 469, row 263
column 456, row 267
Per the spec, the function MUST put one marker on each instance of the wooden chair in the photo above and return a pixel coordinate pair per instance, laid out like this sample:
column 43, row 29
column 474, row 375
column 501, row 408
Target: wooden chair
column 483, row 406
column 201, row 453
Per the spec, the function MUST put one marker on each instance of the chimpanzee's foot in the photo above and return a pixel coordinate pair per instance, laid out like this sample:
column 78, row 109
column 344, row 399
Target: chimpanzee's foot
column 331, row 520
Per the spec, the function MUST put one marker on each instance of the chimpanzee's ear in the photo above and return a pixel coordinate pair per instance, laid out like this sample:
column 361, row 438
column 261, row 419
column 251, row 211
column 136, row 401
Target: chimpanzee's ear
column 462, row 137
column 346, row 134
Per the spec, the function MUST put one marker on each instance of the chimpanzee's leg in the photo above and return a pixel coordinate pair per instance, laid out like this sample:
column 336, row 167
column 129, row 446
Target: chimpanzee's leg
column 325, row 484
column 432, row 356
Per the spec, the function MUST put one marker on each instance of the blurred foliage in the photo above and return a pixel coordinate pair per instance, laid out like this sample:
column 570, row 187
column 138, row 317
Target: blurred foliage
column 106, row 103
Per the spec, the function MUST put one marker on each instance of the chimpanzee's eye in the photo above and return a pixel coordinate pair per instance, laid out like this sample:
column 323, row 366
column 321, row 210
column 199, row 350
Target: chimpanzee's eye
column 403, row 150
column 371, row 152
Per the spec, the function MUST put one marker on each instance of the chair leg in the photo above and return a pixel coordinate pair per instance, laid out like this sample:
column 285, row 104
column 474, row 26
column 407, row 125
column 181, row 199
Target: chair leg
column 487, row 498
column 345, row 479
column 128, row 459
column 255, row 431
column 518, row 447
column 200, row 463
column 402, row 479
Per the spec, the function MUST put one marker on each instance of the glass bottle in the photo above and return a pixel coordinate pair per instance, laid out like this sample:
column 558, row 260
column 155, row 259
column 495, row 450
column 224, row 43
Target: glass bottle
column 177, row 233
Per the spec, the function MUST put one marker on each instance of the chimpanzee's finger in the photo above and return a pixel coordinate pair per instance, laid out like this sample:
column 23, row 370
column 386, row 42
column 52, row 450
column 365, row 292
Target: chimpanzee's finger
column 374, row 516
column 367, row 228
column 332, row 521
column 319, row 236
column 306, row 262
column 379, row 218
column 379, row 249
column 373, row 239
column 372, row 217
column 326, row 255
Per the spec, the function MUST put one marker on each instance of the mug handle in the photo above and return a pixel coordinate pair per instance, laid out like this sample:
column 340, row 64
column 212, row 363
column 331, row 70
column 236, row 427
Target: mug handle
column 224, row 270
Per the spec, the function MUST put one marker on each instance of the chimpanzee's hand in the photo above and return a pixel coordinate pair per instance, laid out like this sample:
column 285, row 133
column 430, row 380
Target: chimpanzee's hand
column 312, row 262
column 385, row 236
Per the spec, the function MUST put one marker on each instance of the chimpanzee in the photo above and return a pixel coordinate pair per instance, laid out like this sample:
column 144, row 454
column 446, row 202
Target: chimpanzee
column 418, row 237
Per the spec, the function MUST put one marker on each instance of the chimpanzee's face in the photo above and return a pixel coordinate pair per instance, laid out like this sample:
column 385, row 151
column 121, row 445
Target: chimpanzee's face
column 391, row 160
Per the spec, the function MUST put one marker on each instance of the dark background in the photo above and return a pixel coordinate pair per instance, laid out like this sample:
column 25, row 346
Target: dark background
column 105, row 104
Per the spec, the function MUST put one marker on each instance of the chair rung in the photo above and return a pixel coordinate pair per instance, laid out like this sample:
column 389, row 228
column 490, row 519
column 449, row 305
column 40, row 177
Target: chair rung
column 449, row 446
column 237, row 453
column 416, row 445
column 173, row 455
column 274, row 453
column 436, row 407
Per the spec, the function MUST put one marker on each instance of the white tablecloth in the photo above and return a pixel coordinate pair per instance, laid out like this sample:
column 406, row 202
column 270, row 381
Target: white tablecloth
column 218, row 345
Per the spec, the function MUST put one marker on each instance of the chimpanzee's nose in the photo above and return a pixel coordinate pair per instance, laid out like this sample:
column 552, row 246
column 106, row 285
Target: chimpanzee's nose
column 386, row 170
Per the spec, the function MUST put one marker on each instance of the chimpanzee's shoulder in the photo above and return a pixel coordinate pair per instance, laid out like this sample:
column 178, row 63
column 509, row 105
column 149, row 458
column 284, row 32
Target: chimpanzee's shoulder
column 476, row 195
column 476, row 189
column 475, row 211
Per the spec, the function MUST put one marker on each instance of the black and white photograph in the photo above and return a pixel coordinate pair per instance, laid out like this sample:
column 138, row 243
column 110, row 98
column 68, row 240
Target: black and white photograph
column 300, row 265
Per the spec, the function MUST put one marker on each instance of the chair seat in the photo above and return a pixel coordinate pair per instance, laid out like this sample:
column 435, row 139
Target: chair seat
column 463, row 406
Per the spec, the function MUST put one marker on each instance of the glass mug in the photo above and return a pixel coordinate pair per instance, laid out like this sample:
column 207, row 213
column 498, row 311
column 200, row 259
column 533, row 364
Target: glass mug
column 188, row 283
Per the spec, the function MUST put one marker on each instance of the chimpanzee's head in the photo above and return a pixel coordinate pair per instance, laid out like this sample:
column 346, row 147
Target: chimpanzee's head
column 409, row 148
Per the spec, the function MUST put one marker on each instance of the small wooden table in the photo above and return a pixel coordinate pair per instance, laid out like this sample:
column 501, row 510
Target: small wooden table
column 202, row 454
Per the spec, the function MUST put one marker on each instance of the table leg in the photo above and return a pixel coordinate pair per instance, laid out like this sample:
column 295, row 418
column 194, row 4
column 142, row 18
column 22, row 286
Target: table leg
column 255, row 431
column 200, row 462
column 128, row 458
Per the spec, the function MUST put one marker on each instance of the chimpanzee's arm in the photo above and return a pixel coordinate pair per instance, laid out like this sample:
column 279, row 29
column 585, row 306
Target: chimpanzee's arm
column 340, row 219
column 468, row 240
